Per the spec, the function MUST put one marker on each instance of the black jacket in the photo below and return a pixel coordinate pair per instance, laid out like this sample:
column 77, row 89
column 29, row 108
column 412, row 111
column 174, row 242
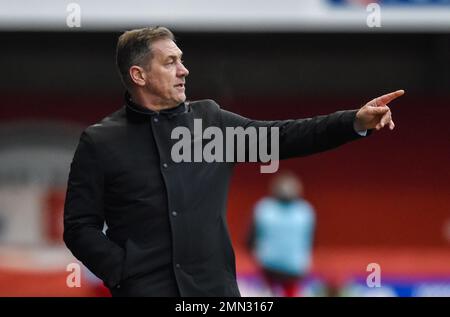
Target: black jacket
column 166, row 222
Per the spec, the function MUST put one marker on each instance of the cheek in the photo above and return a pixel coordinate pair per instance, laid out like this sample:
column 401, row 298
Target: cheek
column 166, row 80
column 162, row 81
column 160, row 84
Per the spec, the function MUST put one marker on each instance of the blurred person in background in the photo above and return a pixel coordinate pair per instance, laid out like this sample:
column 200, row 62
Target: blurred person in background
column 282, row 234
column 167, row 230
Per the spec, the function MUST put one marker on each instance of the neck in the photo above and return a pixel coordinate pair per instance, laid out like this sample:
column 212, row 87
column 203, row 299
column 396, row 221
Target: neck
column 150, row 102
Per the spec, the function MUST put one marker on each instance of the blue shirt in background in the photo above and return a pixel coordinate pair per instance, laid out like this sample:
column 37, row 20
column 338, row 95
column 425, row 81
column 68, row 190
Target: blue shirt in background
column 284, row 235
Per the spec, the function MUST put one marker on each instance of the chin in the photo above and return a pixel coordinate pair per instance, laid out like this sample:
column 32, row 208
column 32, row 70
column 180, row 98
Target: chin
column 181, row 98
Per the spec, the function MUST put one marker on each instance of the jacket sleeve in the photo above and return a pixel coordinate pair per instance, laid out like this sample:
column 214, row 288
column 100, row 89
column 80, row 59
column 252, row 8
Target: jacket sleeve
column 303, row 136
column 84, row 216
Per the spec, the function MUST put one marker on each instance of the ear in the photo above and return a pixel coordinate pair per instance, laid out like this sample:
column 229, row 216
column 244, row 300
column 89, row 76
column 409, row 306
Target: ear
column 137, row 75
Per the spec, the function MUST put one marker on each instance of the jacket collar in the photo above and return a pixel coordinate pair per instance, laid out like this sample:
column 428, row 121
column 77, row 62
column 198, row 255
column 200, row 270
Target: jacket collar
column 137, row 109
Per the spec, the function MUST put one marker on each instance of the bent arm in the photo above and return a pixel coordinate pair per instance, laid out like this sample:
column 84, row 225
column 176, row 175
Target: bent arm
column 84, row 216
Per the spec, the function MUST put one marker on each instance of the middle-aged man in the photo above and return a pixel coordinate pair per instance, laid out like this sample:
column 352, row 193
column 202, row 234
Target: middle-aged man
column 166, row 220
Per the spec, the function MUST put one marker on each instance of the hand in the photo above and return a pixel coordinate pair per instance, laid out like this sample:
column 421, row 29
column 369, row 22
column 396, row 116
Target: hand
column 376, row 114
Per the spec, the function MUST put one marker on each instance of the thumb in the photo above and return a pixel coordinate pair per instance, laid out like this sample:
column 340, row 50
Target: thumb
column 379, row 110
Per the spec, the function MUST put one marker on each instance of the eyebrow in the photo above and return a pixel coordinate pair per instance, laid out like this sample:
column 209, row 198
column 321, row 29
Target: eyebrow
column 175, row 56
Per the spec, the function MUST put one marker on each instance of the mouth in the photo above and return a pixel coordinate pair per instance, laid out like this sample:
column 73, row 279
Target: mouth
column 180, row 86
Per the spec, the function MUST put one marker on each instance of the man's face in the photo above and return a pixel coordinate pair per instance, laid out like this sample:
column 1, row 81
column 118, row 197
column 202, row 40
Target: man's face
column 166, row 75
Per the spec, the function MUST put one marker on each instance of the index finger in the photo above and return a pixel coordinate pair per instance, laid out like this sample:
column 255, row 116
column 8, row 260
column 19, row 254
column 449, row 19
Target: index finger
column 385, row 99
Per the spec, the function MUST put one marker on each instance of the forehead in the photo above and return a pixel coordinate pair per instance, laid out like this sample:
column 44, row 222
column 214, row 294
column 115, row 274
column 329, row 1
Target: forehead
column 165, row 48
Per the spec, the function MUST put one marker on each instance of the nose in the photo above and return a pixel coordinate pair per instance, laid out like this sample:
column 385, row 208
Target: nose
column 182, row 71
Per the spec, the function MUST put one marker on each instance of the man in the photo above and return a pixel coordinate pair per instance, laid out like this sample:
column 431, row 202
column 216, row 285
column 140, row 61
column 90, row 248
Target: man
column 167, row 233
column 281, row 236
